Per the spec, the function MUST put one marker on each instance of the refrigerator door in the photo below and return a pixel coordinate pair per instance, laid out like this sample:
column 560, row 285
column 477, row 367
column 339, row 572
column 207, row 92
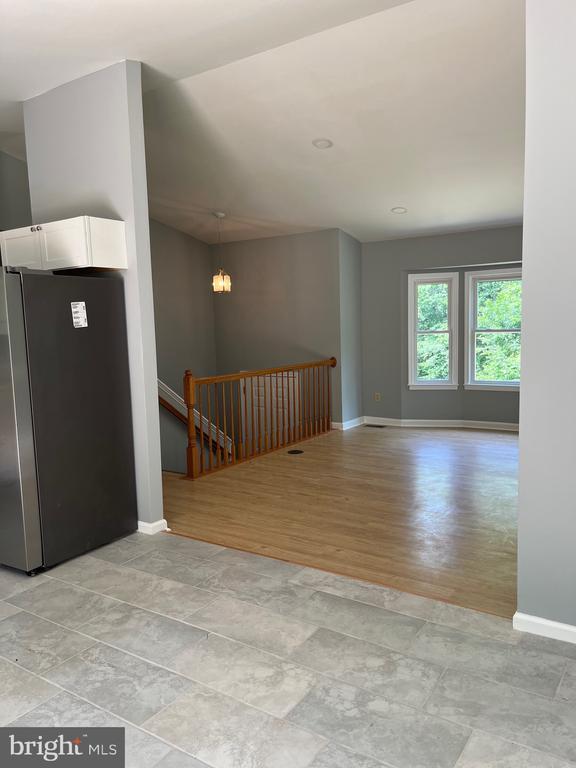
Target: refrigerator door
column 20, row 542
column 80, row 391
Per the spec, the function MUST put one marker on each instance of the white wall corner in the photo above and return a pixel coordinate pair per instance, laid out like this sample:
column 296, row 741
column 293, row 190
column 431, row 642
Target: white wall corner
column 342, row 426
column 535, row 625
column 152, row 528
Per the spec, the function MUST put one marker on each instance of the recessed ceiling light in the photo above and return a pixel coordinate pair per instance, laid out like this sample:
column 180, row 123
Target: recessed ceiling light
column 323, row 143
column 399, row 209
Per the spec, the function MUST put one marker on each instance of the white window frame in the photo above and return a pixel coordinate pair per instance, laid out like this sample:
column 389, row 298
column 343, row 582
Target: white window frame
column 472, row 279
column 414, row 281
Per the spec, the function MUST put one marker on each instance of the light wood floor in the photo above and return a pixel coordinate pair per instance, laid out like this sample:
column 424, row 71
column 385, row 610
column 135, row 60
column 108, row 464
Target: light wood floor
column 431, row 512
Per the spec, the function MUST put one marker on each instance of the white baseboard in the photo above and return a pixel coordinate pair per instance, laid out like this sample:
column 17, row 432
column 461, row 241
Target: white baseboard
column 535, row 625
column 152, row 528
column 348, row 424
column 442, row 423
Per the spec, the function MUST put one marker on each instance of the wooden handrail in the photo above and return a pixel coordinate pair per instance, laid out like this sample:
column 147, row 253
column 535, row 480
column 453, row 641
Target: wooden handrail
column 255, row 412
column 329, row 362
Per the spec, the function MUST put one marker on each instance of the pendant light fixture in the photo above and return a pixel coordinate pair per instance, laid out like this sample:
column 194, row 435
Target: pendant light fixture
column 221, row 282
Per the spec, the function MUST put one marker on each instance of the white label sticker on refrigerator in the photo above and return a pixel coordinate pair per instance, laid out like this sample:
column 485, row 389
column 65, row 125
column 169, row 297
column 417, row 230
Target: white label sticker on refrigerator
column 79, row 316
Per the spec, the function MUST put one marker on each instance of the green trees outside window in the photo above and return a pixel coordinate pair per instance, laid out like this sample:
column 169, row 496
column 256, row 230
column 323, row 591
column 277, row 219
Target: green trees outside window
column 497, row 331
column 432, row 333
column 490, row 335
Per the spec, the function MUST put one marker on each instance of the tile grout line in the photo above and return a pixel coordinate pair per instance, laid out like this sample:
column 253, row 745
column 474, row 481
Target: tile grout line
column 416, row 710
column 434, row 688
column 203, row 561
column 318, row 588
column 468, row 740
column 62, row 689
column 315, row 589
column 353, row 637
column 215, row 595
column 282, row 659
column 279, row 657
column 174, row 746
column 559, row 686
column 141, row 727
column 204, row 685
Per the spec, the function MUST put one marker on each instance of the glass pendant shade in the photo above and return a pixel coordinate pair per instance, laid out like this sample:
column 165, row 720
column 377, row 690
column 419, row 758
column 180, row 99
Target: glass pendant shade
column 221, row 283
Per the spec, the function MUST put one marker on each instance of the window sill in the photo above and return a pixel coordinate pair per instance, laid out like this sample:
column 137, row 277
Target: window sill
column 494, row 387
column 433, row 386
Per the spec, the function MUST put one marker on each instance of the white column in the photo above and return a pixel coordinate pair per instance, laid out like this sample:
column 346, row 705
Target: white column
column 85, row 148
column 547, row 509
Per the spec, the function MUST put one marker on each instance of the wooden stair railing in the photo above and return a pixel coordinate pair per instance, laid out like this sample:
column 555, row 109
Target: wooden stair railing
column 256, row 411
column 170, row 408
column 174, row 404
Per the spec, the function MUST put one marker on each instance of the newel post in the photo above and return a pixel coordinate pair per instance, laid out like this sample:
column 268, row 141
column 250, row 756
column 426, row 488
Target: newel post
column 192, row 456
column 333, row 364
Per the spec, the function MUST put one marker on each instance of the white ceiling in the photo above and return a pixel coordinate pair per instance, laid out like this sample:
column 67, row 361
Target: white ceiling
column 423, row 101
column 44, row 43
column 424, row 104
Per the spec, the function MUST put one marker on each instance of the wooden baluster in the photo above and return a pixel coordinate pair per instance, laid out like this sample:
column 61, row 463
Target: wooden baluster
column 329, row 400
column 258, row 416
column 232, row 428
column 245, row 429
column 280, row 412
column 325, row 396
column 224, row 426
column 252, row 410
column 266, row 427
column 299, row 390
column 201, row 449
column 209, row 427
column 303, row 422
column 311, row 370
column 271, row 406
column 294, row 404
column 193, row 469
column 277, row 401
column 319, row 390
column 287, row 406
column 310, row 402
column 306, row 404
column 239, row 416
column 320, row 406
column 288, row 393
column 217, row 423
column 282, row 404
column 314, row 402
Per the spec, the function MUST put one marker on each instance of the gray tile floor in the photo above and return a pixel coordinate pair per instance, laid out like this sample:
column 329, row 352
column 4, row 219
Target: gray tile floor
column 213, row 657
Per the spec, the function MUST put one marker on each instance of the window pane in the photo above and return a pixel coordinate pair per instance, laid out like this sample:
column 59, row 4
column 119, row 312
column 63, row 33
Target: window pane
column 432, row 300
column 497, row 357
column 433, row 357
column 499, row 304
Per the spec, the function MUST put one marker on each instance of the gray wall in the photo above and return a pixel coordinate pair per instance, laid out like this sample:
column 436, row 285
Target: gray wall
column 85, row 151
column 185, row 334
column 284, row 304
column 547, row 506
column 385, row 268
column 350, row 261
column 303, row 297
column 14, row 193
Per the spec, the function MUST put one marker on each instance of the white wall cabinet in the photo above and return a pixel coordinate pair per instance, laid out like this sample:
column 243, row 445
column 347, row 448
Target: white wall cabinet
column 84, row 241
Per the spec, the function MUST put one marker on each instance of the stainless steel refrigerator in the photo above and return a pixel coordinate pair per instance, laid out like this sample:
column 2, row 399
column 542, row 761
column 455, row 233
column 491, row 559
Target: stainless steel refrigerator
column 66, row 444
